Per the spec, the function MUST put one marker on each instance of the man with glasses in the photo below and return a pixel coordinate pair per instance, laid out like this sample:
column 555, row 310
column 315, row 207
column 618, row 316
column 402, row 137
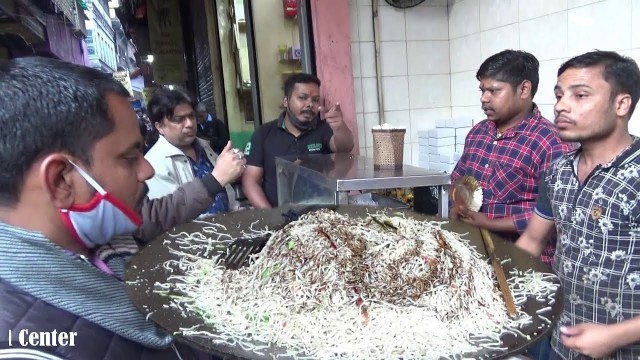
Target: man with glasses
column 179, row 156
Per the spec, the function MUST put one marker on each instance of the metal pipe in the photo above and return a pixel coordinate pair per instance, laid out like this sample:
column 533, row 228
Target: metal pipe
column 376, row 42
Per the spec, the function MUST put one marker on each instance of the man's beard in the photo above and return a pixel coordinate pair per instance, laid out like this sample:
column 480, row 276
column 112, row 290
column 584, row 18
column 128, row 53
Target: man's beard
column 302, row 125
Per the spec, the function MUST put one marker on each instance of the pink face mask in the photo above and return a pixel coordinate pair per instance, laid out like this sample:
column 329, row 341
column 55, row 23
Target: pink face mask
column 102, row 218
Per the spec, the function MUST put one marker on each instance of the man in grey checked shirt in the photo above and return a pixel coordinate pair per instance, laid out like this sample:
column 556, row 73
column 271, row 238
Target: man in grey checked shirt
column 590, row 197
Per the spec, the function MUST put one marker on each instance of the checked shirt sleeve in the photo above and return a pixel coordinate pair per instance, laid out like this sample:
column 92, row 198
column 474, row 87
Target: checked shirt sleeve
column 522, row 219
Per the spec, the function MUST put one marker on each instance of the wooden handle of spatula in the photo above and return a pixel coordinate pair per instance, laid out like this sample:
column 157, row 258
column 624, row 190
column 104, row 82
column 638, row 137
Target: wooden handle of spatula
column 502, row 278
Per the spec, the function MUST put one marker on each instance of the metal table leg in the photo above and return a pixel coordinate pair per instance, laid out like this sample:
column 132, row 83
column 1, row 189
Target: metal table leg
column 342, row 197
column 443, row 201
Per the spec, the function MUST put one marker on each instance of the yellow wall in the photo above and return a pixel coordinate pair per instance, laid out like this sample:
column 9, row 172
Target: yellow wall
column 271, row 30
column 239, row 129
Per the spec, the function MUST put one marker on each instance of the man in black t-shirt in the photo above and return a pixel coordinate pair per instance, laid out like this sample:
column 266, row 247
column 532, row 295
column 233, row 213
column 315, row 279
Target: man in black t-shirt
column 303, row 128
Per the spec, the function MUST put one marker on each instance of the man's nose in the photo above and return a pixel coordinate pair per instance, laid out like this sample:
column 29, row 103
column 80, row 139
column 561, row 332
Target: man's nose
column 145, row 171
column 485, row 97
column 191, row 121
column 560, row 106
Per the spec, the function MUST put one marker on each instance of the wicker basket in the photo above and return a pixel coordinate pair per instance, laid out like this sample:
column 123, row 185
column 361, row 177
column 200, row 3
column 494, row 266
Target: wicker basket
column 388, row 148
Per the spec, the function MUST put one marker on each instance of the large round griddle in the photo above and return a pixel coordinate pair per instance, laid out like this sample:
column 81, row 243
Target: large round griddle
column 146, row 269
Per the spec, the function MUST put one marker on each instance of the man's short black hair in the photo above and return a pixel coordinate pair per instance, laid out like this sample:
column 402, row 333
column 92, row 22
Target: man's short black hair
column 47, row 106
column 165, row 101
column 201, row 107
column 620, row 72
column 301, row 78
column 513, row 67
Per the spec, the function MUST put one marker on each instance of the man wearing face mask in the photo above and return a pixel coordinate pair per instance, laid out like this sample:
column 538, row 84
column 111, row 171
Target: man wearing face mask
column 303, row 128
column 71, row 180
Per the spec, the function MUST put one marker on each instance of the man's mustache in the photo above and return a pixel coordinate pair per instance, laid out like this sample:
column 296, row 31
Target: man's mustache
column 564, row 118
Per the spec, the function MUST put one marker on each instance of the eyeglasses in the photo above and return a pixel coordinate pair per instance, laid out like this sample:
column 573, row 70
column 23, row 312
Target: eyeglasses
column 179, row 119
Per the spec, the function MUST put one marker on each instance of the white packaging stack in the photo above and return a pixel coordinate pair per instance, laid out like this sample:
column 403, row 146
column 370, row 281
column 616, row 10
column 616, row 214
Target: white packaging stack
column 442, row 141
column 423, row 161
column 461, row 136
column 454, row 123
column 441, row 148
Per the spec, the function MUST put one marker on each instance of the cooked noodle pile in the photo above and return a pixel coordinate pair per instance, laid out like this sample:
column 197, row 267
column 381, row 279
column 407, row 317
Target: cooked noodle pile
column 330, row 286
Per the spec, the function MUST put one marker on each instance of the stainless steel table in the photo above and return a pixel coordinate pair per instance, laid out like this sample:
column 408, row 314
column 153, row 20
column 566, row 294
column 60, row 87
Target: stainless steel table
column 338, row 174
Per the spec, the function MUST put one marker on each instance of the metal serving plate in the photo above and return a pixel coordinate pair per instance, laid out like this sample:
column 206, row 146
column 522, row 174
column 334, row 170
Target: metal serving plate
column 146, row 269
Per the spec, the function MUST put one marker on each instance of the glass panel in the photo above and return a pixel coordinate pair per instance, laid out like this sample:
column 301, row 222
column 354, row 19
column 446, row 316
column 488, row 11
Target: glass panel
column 238, row 84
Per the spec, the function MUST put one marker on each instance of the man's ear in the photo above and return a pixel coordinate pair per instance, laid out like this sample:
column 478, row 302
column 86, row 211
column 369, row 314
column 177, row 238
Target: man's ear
column 158, row 126
column 56, row 174
column 525, row 89
column 285, row 102
column 622, row 105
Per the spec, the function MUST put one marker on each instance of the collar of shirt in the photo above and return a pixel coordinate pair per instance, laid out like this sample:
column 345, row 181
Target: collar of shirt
column 283, row 126
column 166, row 148
column 533, row 117
column 626, row 155
column 201, row 156
column 170, row 150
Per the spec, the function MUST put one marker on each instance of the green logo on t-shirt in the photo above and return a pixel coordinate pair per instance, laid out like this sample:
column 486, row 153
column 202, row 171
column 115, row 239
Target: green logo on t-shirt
column 247, row 149
column 314, row 147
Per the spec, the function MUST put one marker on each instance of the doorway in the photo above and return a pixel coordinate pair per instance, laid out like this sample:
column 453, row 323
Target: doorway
column 261, row 44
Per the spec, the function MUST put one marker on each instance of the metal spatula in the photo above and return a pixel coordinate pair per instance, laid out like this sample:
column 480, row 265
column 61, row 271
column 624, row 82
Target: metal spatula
column 239, row 251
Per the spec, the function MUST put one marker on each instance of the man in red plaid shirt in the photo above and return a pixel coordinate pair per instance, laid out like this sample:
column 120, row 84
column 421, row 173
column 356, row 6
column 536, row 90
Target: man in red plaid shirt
column 510, row 150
